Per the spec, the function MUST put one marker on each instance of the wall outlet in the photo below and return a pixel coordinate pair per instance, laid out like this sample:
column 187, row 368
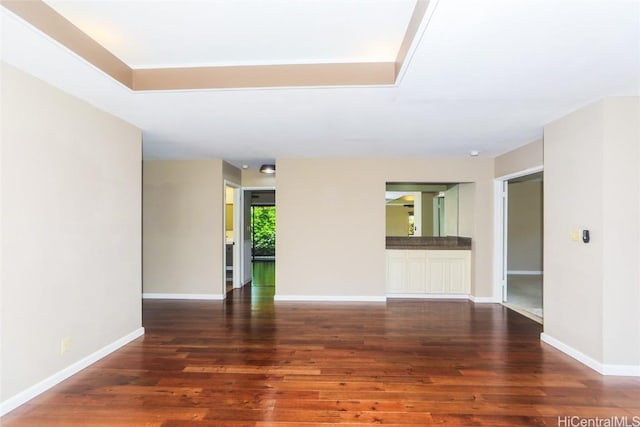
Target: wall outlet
column 65, row 345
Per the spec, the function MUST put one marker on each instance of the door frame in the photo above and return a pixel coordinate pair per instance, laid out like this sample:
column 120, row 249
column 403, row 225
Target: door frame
column 246, row 248
column 501, row 221
column 237, row 224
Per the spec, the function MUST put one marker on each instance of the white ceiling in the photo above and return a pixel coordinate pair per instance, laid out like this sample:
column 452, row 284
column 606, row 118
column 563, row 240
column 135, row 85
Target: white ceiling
column 482, row 75
column 152, row 34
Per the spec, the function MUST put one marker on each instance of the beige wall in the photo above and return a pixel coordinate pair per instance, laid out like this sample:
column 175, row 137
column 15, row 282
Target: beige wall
column 591, row 295
column 2, row 285
column 310, row 226
column 526, row 157
column 397, row 220
column 451, row 211
column 252, row 178
column 466, row 204
column 427, row 214
column 71, row 231
column 231, row 173
column 573, row 196
column 524, row 245
column 397, row 217
column 246, row 238
column 621, row 232
column 183, row 202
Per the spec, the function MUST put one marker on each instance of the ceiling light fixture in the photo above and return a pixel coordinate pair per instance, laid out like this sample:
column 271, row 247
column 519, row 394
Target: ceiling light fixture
column 245, row 166
column 268, row 169
column 474, row 153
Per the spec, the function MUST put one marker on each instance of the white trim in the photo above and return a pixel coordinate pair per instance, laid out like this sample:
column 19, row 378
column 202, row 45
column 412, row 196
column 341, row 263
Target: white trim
column 183, row 296
column 337, row 298
column 429, row 296
column 417, row 39
column 44, row 385
column 499, row 249
column 526, row 313
column 525, row 272
column 477, row 300
column 474, row 299
column 620, row 370
column 579, row 356
column 499, row 236
column 260, row 188
column 238, row 215
column 484, row 300
column 521, row 173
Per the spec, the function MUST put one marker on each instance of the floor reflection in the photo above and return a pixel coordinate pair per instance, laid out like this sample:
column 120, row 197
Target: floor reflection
column 264, row 274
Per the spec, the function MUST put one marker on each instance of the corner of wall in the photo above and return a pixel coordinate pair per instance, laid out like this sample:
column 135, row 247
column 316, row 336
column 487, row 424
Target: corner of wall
column 231, row 173
column 526, row 157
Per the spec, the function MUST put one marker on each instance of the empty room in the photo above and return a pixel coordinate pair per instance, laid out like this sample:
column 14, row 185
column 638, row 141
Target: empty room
column 313, row 213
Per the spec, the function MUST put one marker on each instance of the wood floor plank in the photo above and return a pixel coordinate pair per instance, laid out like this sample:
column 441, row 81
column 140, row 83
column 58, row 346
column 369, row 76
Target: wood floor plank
column 248, row 361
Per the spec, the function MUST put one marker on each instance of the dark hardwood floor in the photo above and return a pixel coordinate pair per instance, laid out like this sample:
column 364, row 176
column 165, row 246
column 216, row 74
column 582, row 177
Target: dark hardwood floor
column 249, row 362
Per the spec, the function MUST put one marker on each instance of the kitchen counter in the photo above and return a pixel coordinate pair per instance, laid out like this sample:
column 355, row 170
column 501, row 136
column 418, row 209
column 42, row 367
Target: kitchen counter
column 430, row 243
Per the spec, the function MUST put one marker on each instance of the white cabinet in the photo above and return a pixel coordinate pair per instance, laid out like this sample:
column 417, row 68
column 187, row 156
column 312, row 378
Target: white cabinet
column 437, row 272
column 396, row 271
column 448, row 272
column 413, row 271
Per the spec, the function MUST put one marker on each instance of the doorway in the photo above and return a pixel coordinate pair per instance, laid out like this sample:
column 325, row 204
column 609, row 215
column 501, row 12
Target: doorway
column 262, row 239
column 232, row 259
column 523, row 244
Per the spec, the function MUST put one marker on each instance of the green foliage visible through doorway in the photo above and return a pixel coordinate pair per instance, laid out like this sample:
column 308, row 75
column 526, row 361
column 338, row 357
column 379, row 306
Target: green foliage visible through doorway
column 263, row 224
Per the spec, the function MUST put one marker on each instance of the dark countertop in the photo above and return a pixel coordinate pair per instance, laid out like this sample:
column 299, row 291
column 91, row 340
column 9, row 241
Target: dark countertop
column 434, row 243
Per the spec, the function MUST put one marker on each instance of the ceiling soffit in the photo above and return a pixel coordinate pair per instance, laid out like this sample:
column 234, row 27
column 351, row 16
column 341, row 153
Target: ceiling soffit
column 49, row 21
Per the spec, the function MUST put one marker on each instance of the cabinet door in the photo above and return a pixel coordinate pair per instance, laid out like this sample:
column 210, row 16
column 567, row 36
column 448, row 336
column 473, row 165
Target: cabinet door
column 416, row 272
column 396, row 271
column 448, row 272
column 436, row 276
column 457, row 281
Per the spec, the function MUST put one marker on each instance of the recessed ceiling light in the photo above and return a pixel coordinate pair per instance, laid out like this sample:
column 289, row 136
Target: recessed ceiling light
column 474, row 153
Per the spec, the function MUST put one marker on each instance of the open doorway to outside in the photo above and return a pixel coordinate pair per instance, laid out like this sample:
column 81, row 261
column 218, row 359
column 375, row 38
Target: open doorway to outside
column 261, row 209
column 523, row 218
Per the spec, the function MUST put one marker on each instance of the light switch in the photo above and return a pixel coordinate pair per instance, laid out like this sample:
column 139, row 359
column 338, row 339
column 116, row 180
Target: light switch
column 575, row 235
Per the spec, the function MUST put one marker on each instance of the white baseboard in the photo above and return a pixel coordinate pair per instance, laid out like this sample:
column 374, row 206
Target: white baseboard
column 337, row 298
column 484, row 300
column 525, row 272
column 183, row 296
column 44, row 385
column 477, row 300
column 429, row 296
column 620, row 370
